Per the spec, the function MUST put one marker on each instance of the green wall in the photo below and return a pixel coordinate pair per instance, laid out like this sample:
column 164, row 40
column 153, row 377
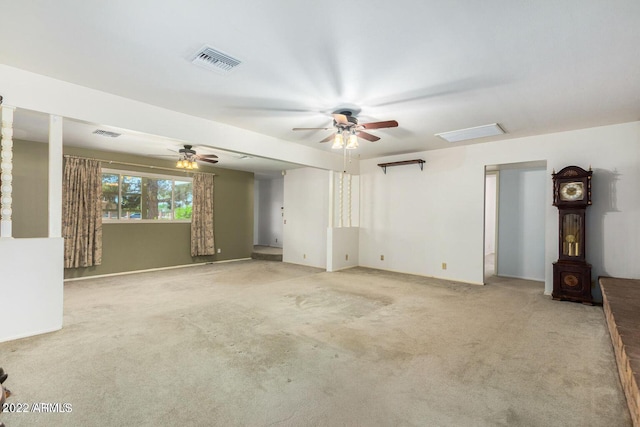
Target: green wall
column 30, row 191
column 137, row 246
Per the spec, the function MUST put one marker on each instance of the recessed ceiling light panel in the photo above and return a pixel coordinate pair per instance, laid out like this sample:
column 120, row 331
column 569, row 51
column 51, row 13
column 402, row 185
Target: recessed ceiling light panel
column 471, row 133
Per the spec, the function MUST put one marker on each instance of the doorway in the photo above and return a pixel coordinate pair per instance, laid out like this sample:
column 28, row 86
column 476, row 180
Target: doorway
column 268, row 211
column 490, row 222
column 515, row 201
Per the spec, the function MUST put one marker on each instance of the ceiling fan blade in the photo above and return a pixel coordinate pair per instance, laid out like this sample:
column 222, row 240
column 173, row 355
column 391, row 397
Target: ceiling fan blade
column 340, row 119
column 329, row 138
column 367, row 136
column 212, row 161
column 206, row 156
column 379, row 125
column 311, row 128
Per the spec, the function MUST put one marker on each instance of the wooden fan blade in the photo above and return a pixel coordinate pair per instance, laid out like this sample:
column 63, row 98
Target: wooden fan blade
column 206, row 156
column 329, row 138
column 341, row 119
column 380, row 125
column 311, row 128
column 212, row 161
column 367, row 136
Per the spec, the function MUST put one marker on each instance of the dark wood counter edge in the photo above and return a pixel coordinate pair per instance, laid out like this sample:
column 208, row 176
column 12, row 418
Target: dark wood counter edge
column 628, row 378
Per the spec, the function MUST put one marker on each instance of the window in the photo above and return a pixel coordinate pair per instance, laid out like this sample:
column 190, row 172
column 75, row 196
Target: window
column 110, row 195
column 130, row 196
column 183, row 197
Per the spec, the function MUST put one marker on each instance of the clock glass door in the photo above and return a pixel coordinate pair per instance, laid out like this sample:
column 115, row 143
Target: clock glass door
column 571, row 235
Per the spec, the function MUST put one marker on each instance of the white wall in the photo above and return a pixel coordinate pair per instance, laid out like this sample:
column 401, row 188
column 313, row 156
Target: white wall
column 421, row 219
column 522, row 205
column 268, row 201
column 342, row 248
column 490, row 213
column 306, row 200
column 30, row 286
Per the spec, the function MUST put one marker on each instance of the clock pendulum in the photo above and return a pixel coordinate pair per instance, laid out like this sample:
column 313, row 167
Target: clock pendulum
column 572, row 273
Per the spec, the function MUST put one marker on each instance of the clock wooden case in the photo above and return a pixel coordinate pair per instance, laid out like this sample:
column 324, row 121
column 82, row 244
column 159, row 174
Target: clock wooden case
column 572, row 272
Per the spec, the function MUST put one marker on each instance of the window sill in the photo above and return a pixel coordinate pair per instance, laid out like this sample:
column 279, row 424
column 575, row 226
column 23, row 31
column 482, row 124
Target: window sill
column 145, row 221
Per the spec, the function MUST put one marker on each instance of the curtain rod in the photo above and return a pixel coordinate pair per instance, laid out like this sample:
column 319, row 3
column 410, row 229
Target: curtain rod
column 139, row 165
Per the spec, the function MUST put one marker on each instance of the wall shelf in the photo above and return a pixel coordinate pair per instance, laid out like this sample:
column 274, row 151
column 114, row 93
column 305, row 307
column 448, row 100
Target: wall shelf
column 402, row 163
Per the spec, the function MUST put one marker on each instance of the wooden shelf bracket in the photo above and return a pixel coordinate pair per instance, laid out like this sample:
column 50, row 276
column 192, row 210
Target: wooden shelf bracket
column 404, row 162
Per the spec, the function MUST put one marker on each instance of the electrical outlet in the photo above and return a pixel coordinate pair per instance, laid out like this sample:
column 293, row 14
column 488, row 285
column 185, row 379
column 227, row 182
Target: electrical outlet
column 276, row 240
column 219, row 250
column 381, row 257
column 304, row 256
column 346, row 257
column 444, row 265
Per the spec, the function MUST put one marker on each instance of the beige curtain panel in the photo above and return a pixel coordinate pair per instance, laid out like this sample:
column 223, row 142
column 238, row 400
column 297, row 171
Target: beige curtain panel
column 202, row 216
column 82, row 212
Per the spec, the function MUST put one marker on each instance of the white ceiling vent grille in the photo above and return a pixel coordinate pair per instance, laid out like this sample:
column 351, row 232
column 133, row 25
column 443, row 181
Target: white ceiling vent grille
column 102, row 132
column 215, row 60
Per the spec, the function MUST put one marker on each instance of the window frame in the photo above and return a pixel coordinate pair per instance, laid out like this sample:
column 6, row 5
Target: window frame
column 121, row 173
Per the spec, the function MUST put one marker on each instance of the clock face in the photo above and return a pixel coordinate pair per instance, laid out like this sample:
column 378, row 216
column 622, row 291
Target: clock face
column 571, row 191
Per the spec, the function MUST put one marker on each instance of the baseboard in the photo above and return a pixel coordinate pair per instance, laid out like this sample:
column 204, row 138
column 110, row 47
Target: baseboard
column 30, row 334
column 123, row 273
column 508, row 276
column 346, row 267
column 448, row 279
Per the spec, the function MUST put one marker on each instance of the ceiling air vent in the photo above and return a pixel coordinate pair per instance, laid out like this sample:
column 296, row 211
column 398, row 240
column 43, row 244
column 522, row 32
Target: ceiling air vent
column 212, row 59
column 102, row 132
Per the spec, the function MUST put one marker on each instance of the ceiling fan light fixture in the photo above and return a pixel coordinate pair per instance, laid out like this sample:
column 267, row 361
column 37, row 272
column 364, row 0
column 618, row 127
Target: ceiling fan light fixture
column 353, row 141
column 179, row 164
column 484, row 131
column 338, row 141
column 194, row 165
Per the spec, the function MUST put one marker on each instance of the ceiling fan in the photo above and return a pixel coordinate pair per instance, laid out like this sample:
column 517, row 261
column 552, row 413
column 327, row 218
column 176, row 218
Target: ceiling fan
column 189, row 158
column 344, row 122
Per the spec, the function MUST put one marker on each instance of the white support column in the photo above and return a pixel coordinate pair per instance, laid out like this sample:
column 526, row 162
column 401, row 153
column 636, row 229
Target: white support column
column 332, row 195
column 341, row 201
column 6, row 171
column 349, row 201
column 55, row 176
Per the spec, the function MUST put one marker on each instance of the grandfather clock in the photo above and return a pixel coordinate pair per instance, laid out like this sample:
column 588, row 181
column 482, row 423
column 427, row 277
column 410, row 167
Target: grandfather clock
column 572, row 273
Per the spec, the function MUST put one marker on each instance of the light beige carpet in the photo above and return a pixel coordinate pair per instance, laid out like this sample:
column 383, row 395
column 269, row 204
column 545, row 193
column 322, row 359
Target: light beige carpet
column 258, row 343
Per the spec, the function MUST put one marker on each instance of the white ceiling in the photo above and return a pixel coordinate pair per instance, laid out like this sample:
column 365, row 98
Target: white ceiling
column 532, row 66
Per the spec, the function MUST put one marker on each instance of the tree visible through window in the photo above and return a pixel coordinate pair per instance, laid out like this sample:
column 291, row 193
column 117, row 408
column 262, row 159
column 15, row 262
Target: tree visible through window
column 183, row 196
column 110, row 195
column 136, row 196
column 159, row 198
column 131, row 192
